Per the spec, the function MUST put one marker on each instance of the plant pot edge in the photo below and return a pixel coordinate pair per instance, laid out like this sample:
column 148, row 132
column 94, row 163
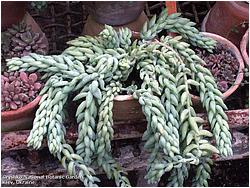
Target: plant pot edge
column 243, row 47
column 238, row 56
column 10, row 120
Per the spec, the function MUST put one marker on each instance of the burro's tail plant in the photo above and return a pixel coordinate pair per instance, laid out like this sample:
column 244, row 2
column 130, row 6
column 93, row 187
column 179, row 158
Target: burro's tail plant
column 95, row 68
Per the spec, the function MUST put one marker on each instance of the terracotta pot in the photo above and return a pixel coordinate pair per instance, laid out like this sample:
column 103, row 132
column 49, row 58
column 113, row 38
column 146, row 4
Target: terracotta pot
column 226, row 18
column 93, row 28
column 12, row 12
column 20, row 119
column 244, row 47
column 127, row 109
column 226, row 43
column 115, row 13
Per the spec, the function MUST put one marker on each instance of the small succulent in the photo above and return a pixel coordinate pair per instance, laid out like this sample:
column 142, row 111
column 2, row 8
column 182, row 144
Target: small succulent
column 18, row 89
column 23, row 41
column 222, row 64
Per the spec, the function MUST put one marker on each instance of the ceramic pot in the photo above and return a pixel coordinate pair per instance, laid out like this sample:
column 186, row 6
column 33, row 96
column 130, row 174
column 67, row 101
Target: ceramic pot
column 20, row 119
column 229, row 45
column 244, row 47
column 228, row 19
column 115, row 13
column 93, row 28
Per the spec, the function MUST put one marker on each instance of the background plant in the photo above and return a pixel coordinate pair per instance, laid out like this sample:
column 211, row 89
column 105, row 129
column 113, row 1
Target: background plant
column 95, row 68
column 20, row 40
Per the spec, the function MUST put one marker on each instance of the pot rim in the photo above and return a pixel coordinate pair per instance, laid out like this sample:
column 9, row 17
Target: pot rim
column 13, row 114
column 237, row 54
column 121, row 98
column 203, row 24
column 243, row 47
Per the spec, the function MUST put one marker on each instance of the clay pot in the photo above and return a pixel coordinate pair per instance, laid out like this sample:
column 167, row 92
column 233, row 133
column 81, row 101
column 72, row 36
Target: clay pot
column 93, row 28
column 226, row 43
column 126, row 108
column 227, row 19
column 115, row 13
column 20, row 119
column 244, row 47
column 12, row 13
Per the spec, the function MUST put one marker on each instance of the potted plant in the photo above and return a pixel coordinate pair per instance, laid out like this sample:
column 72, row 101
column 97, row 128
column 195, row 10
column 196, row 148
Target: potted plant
column 16, row 20
column 228, row 19
column 20, row 40
column 19, row 98
column 116, row 13
column 226, row 65
column 244, row 47
column 95, row 68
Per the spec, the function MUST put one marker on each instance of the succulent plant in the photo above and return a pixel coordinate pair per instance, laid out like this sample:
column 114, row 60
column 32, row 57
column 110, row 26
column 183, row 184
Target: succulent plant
column 222, row 64
column 95, row 68
column 23, row 41
column 18, row 89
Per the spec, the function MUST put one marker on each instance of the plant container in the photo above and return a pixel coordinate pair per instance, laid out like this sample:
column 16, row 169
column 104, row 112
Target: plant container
column 15, row 12
column 228, row 19
column 118, row 14
column 93, row 28
column 232, row 48
column 244, row 47
column 20, row 119
column 115, row 13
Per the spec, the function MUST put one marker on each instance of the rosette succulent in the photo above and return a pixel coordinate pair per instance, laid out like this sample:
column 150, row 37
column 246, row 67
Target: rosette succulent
column 22, row 41
column 18, row 89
